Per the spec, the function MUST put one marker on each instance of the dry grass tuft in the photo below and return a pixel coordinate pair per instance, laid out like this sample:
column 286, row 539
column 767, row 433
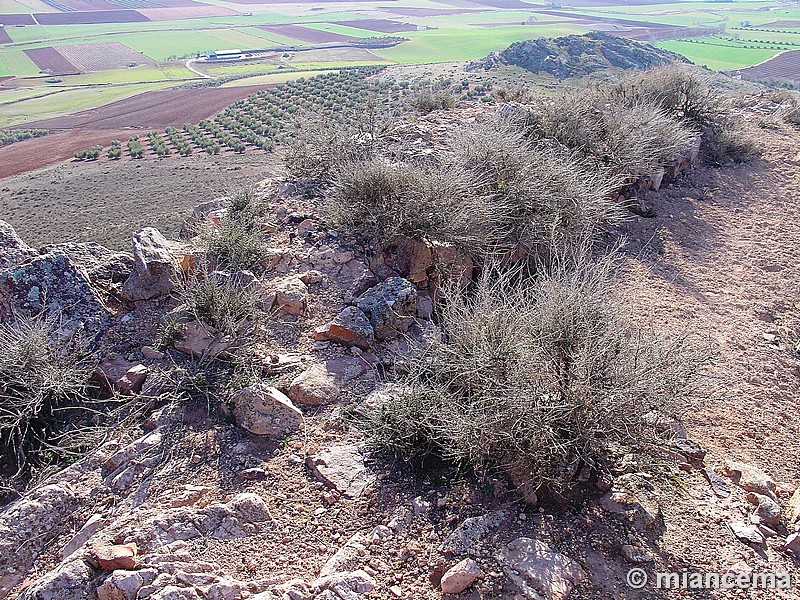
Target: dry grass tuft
column 539, row 375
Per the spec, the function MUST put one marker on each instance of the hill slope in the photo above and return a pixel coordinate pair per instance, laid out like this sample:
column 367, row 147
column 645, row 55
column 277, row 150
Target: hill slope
column 576, row 55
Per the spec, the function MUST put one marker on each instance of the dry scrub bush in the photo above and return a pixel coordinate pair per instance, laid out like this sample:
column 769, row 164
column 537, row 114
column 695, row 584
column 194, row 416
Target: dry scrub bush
column 490, row 192
column 622, row 140
column 44, row 377
column 239, row 241
column 376, row 198
column 689, row 95
column 538, row 376
column 321, row 146
column 683, row 92
column 428, row 101
column 221, row 301
column 542, row 197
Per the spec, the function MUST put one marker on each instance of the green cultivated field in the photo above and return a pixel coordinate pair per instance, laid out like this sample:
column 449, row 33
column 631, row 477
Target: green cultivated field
column 433, row 39
column 445, row 45
column 720, row 58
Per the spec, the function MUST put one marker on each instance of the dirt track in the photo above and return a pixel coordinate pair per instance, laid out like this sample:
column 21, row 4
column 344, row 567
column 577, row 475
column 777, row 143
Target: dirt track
column 718, row 260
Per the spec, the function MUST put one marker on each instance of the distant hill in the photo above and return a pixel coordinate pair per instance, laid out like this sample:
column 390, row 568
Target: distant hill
column 576, row 55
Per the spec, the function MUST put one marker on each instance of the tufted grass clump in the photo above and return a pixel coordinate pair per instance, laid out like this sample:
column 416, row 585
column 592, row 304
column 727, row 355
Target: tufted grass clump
column 537, row 376
column 44, row 387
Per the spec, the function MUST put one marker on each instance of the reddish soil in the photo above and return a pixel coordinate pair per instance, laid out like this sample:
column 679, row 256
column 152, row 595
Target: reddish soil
column 780, row 24
column 101, row 56
column 4, row 37
column 295, row 2
column 784, row 66
column 306, row 34
column 118, row 120
column 86, row 5
column 48, row 59
column 82, row 18
column 17, row 20
column 381, row 25
column 94, row 5
column 189, row 12
column 609, row 21
column 152, row 110
column 504, row 3
column 35, row 153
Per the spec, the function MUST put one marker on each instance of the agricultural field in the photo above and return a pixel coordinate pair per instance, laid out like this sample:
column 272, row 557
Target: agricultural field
column 74, row 56
column 268, row 117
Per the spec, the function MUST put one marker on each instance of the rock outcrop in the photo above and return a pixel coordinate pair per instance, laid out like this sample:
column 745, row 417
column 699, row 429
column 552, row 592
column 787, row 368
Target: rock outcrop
column 155, row 269
column 577, row 55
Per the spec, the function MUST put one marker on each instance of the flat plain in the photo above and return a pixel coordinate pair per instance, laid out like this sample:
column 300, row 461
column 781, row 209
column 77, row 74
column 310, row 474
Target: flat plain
column 76, row 56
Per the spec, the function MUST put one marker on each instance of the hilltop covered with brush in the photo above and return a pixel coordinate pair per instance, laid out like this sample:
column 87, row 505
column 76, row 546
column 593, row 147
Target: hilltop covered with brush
column 474, row 350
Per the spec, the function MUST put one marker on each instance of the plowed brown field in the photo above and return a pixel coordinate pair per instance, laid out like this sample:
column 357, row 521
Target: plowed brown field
column 118, row 120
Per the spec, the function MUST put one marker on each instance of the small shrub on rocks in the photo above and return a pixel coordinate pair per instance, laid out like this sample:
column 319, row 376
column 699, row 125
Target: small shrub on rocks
column 44, row 374
column 621, row 140
column 490, row 192
column 537, row 376
column 221, row 302
column 689, row 95
column 542, row 197
column 377, row 198
column 322, row 146
column 428, row 101
column 239, row 241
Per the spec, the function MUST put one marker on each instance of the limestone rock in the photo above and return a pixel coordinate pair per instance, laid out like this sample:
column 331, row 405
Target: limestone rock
column 351, row 327
column 105, row 268
column 115, row 373
column 266, row 412
column 472, row 531
column 200, row 340
column 635, row 555
column 343, row 468
column 767, row 510
column 538, row 572
column 346, row 558
column 111, row 557
column 120, row 585
column 69, row 581
column 92, row 526
column 793, row 544
column 291, row 296
column 13, row 251
column 746, row 533
column 720, row 486
column 460, row 576
column 750, row 478
column 54, row 285
column 155, row 269
column 26, row 526
column 390, row 306
column 346, row 585
column 793, row 511
column 322, row 383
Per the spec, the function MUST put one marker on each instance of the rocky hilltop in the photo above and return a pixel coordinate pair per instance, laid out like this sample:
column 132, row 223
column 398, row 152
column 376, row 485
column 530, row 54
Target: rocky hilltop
column 577, row 55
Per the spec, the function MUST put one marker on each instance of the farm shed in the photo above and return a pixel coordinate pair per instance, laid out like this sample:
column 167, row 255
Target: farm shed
column 224, row 55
